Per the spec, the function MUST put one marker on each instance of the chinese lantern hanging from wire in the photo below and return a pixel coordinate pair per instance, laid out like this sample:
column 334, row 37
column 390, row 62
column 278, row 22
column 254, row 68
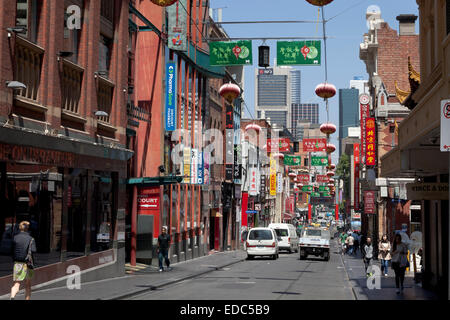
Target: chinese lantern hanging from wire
column 163, row 3
column 319, row 3
column 229, row 91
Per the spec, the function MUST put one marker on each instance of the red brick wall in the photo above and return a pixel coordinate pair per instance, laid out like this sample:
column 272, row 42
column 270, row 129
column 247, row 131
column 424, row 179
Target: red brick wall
column 50, row 37
column 393, row 52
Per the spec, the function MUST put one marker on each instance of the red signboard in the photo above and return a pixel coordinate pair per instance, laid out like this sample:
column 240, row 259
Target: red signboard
column 314, row 145
column 303, row 178
column 322, row 178
column 356, row 160
column 283, row 145
column 148, row 202
column 369, row 202
column 365, row 113
column 370, row 142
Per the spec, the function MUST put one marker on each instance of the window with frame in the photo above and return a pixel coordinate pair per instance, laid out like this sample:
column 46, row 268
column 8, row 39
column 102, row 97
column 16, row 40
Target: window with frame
column 27, row 17
column 104, row 57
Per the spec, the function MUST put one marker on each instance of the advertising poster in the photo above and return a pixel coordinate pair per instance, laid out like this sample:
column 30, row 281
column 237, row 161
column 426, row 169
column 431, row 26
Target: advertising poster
column 230, row 53
column 171, row 97
column 314, row 145
column 177, row 20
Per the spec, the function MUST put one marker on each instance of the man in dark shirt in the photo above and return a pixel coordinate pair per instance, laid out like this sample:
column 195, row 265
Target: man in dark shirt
column 22, row 271
column 163, row 249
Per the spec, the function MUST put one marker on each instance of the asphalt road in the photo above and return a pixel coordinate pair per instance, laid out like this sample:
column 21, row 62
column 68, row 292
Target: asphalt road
column 287, row 278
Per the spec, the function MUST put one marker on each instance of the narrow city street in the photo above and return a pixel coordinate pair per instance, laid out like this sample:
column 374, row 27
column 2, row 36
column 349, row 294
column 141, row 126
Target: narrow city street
column 287, row 278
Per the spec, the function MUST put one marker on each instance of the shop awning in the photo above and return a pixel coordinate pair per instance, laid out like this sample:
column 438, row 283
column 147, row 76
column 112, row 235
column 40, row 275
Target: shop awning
column 155, row 181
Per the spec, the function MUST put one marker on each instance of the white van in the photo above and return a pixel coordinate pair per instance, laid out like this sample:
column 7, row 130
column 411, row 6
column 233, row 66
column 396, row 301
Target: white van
column 288, row 234
column 262, row 242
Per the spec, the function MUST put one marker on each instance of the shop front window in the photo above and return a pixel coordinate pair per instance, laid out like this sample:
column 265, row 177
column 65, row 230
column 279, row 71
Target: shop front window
column 103, row 211
column 32, row 193
column 76, row 212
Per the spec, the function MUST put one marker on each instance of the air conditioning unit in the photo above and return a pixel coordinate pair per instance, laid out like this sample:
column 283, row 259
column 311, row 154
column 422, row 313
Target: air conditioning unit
column 381, row 113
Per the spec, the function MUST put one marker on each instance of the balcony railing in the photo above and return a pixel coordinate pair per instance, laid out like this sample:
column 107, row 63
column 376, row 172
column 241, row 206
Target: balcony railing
column 28, row 59
column 71, row 85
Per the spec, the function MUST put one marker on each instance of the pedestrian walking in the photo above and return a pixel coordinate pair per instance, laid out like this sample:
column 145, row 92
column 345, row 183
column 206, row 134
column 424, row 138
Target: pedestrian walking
column 350, row 241
column 399, row 261
column 356, row 244
column 343, row 237
column 368, row 255
column 163, row 249
column 362, row 242
column 384, row 249
column 22, row 253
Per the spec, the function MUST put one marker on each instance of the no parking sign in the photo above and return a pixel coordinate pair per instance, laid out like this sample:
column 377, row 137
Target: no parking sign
column 445, row 125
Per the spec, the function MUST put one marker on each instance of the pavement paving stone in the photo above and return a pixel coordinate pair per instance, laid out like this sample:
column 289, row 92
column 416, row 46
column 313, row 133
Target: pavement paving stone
column 355, row 268
column 143, row 279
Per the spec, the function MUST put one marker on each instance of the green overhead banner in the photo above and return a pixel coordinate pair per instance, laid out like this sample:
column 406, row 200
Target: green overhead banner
column 292, row 160
column 325, row 194
column 298, row 53
column 230, row 53
column 315, row 194
column 307, row 189
column 324, row 189
column 319, row 161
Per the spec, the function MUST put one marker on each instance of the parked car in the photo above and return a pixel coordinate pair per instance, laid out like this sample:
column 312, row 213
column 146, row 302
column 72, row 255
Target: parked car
column 262, row 242
column 288, row 235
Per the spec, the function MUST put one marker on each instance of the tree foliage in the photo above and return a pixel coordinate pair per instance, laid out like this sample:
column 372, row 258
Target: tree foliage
column 343, row 172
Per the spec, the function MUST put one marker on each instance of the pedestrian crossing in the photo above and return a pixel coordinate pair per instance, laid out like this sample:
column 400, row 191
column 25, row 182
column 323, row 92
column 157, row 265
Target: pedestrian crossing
column 129, row 269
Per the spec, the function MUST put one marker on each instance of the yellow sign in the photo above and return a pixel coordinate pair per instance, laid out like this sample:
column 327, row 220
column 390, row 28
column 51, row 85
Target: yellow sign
column 273, row 176
column 187, row 165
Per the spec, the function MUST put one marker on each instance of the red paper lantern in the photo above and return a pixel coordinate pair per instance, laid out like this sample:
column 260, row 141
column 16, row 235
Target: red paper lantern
column 331, row 148
column 319, row 3
column 278, row 155
column 332, row 166
column 328, row 128
column 330, row 174
column 325, row 90
column 163, row 3
column 292, row 175
column 253, row 126
column 229, row 91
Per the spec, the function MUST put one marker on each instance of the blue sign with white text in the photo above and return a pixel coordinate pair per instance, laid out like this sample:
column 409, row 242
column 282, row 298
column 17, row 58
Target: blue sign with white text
column 200, row 168
column 171, row 97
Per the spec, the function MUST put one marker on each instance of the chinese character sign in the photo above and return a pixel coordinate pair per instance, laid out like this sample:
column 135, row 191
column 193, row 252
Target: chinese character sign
column 319, row 161
column 370, row 142
column 322, row 178
column 303, row 178
column 253, row 191
column 273, row 177
column 369, row 202
column 298, row 53
column 283, row 145
column 365, row 112
column 314, row 145
column 292, row 160
column 356, row 153
column 230, row 53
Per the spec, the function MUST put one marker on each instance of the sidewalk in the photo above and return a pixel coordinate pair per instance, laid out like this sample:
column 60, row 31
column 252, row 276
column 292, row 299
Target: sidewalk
column 354, row 266
column 145, row 279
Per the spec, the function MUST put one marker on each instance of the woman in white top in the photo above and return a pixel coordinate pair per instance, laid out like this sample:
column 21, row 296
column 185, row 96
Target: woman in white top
column 399, row 261
column 384, row 255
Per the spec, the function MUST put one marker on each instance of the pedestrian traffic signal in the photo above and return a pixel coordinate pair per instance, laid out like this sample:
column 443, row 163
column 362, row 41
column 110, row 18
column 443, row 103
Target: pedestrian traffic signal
column 264, row 56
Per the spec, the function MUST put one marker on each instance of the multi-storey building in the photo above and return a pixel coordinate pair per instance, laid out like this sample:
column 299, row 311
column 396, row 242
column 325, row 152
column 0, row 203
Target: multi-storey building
column 418, row 154
column 348, row 113
column 303, row 112
column 296, row 86
column 63, row 158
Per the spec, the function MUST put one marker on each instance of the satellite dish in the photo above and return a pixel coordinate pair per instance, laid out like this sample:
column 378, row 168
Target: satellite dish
column 373, row 12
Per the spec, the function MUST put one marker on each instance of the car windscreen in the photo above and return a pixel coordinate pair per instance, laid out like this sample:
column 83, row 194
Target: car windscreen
column 313, row 233
column 260, row 235
column 282, row 232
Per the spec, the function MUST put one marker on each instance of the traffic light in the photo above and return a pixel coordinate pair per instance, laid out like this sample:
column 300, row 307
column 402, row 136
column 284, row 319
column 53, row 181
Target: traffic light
column 264, row 56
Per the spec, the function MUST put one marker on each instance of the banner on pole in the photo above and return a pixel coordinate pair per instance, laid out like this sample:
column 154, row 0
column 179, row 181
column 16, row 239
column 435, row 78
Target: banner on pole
column 299, row 52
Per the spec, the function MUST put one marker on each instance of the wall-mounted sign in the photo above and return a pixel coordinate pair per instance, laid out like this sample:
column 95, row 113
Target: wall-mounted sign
column 445, row 125
column 200, row 171
column 364, row 113
column 171, row 97
column 299, row 52
column 268, row 71
column 177, row 20
column 369, row 202
column 230, row 53
column 370, row 142
column 194, row 166
column 283, row 145
column 273, row 177
column 279, row 183
column 319, row 161
column 292, row 160
column 427, row 191
column 187, row 164
column 253, row 190
column 314, row 145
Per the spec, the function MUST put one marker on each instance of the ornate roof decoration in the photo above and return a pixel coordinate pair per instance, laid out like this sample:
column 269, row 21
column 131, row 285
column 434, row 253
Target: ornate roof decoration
column 405, row 97
column 401, row 94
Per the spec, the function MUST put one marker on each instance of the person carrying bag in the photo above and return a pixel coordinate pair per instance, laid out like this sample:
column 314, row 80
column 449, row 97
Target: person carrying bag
column 23, row 248
column 399, row 262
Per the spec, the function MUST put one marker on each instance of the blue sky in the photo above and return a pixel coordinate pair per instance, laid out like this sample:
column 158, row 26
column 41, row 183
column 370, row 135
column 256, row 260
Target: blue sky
column 347, row 28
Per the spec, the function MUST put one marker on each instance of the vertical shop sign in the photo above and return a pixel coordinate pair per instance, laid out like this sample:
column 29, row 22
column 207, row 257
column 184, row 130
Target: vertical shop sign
column 171, row 97
column 279, row 183
column 194, row 166
column 273, row 176
column 369, row 202
column 445, row 125
column 262, row 189
column 253, row 191
column 200, row 168
column 356, row 160
column 187, row 164
column 206, row 168
column 177, row 17
column 370, row 142
column 364, row 101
